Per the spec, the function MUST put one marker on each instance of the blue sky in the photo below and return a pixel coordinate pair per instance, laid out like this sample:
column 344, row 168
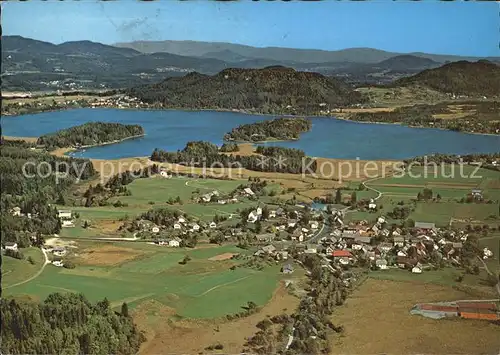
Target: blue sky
column 462, row 28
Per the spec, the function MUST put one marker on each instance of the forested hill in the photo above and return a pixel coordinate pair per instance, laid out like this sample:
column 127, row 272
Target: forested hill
column 88, row 134
column 277, row 129
column 67, row 324
column 270, row 90
column 481, row 78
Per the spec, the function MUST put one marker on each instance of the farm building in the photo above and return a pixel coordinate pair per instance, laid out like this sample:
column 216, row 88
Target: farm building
column 463, row 309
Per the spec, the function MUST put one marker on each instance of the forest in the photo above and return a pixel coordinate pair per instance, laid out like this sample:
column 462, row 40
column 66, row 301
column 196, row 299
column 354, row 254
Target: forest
column 272, row 90
column 67, row 324
column 199, row 154
column 89, row 134
column 31, row 180
column 276, row 129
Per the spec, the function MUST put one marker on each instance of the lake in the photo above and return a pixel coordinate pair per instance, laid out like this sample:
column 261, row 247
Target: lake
column 332, row 138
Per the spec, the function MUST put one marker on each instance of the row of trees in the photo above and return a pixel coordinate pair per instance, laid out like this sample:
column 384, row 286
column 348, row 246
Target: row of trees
column 91, row 133
column 280, row 129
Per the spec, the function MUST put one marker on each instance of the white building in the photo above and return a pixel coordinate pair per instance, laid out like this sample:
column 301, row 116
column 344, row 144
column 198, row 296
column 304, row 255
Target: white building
column 155, row 229
column 175, row 242
column 212, row 225
column 64, row 214
column 11, row 246
column 177, row 226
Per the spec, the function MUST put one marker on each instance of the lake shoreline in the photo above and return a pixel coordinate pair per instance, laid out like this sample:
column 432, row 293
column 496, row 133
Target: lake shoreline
column 338, row 116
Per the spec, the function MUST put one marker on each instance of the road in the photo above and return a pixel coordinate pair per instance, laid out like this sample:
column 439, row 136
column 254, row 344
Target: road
column 39, row 272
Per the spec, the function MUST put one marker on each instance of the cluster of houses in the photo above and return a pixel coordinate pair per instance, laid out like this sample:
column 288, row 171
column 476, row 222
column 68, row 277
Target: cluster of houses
column 120, row 101
column 66, row 218
column 16, row 212
column 58, row 252
column 214, row 196
column 377, row 246
column 169, row 236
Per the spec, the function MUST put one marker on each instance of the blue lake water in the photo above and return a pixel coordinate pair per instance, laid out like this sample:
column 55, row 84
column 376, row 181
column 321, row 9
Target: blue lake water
column 171, row 130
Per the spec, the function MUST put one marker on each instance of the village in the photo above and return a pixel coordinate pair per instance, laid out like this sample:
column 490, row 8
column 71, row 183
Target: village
column 279, row 232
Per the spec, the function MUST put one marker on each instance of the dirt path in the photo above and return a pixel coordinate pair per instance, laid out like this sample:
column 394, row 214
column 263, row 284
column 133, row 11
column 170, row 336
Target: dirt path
column 222, row 285
column 39, row 272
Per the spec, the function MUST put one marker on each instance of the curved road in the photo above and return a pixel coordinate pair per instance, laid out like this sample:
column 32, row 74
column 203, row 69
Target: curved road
column 39, row 272
column 497, row 286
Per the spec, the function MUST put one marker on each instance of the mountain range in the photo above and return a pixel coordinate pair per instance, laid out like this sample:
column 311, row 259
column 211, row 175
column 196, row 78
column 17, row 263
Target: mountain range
column 230, row 52
column 32, row 65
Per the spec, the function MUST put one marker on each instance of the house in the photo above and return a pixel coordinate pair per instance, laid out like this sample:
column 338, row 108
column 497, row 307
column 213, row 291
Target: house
column 11, row 246
column 177, row 226
column 381, row 264
column 161, row 242
column 67, row 223
column 252, row 217
column 362, row 240
column 206, row 197
column 341, row 254
column 181, row 220
column 381, row 220
column 165, row 174
column 287, row 269
column 195, row 227
column 155, row 230
column 292, row 223
column 425, row 225
column 279, row 211
column 269, row 249
column 248, row 191
column 57, row 263
column 311, row 249
column 384, row 247
column 259, row 211
column 356, row 246
column 221, row 202
column 399, row 241
column 416, row 270
column 16, row 211
column 272, row 214
column 314, row 225
column 375, row 229
column 477, row 194
column 174, row 242
column 64, row 214
column 282, row 255
column 372, row 206
column 59, row 251
column 212, row 225
column 266, row 237
column 487, row 253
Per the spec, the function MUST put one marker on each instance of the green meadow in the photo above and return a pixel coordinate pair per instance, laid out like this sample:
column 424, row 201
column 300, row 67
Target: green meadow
column 201, row 288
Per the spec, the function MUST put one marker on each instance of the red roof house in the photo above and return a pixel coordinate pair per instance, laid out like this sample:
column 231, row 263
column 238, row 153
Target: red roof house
column 341, row 254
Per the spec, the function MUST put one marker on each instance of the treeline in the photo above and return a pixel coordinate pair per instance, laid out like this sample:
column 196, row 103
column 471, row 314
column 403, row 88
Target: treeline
column 439, row 158
column 200, row 154
column 88, row 134
column 273, row 90
column 277, row 129
column 67, row 324
column 32, row 180
column 310, row 325
column 479, row 117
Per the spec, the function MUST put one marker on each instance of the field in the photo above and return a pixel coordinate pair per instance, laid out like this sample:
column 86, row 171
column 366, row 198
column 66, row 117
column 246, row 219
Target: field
column 138, row 272
column 15, row 270
column 376, row 319
column 451, row 183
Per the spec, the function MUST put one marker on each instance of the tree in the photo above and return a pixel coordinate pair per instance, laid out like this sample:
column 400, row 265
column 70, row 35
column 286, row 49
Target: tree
column 30, row 260
column 353, row 198
column 338, row 197
column 124, row 311
column 438, row 197
column 258, row 227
